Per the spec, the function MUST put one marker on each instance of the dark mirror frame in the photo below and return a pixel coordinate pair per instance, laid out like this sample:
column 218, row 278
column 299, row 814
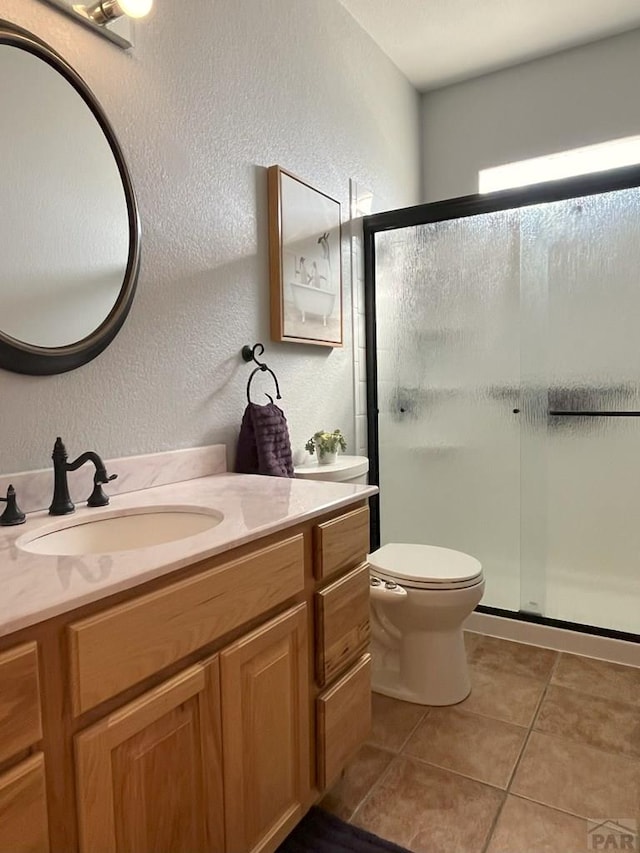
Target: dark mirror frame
column 19, row 356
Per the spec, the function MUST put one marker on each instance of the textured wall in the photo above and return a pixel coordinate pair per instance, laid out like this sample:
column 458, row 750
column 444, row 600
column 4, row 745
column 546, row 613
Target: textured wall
column 201, row 105
column 573, row 98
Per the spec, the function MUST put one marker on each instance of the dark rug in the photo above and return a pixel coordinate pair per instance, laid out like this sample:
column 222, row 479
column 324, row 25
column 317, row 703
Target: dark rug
column 321, row 832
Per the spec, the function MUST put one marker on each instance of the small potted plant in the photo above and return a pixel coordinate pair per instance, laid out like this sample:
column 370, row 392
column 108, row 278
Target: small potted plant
column 327, row 444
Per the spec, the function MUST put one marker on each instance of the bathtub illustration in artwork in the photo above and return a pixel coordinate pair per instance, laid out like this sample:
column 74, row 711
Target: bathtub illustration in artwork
column 312, row 300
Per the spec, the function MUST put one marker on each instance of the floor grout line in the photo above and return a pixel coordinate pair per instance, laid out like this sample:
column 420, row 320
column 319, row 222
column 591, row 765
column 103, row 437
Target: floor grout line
column 415, row 728
column 394, row 755
column 460, row 707
column 449, row 770
column 572, row 740
column 375, row 785
column 546, row 681
column 534, row 717
column 581, row 743
column 494, row 823
column 633, row 706
column 408, row 737
column 507, row 790
column 553, row 808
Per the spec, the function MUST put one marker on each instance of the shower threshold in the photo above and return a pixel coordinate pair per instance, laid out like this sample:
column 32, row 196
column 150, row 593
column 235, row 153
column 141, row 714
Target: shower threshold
column 615, row 646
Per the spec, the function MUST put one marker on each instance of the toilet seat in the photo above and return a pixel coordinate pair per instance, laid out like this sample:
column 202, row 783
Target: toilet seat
column 425, row 567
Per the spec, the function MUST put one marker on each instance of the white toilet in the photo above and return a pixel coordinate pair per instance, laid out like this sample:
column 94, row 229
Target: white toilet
column 421, row 596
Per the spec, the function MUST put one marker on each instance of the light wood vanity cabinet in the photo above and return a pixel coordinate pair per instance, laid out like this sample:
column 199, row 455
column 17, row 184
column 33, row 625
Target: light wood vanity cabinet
column 342, row 622
column 20, row 715
column 125, row 644
column 23, row 804
column 344, row 720
column 149, row 776
column 341, row 543
column 265, row 721
column 201, row 713
column 343, row 668
column 23, row 808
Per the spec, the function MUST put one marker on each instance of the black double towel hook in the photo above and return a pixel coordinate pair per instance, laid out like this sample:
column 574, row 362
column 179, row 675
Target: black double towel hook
column 249, row 354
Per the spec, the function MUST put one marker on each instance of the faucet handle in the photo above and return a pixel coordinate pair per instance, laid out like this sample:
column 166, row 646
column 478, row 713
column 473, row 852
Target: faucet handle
column 102, row 477
column 12, row 514
column 97, row 496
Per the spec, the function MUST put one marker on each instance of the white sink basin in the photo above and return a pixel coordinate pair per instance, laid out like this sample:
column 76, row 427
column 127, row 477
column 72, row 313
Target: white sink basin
column 120, row 531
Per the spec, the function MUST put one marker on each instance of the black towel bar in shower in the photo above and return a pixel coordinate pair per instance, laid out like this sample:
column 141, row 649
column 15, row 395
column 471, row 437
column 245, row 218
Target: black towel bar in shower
column 595, row 414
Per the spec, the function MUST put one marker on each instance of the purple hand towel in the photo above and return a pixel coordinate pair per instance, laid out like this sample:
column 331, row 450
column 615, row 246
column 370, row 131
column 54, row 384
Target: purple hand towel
column 263, row 443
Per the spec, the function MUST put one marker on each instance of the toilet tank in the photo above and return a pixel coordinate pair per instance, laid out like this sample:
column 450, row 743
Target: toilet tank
column 346, row 469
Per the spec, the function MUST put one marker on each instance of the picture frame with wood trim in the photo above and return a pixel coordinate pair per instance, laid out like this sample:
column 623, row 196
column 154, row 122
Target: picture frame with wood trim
column 305, row 262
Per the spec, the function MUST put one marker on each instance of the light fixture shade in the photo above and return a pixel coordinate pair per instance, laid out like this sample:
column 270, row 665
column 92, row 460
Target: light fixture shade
column 101, row 16
column 135, row 8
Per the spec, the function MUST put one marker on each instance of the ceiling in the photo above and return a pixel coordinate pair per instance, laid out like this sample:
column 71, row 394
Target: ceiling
column 437, row 42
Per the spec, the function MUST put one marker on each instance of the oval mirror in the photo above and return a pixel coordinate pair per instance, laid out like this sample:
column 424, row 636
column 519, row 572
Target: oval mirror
column 69, row 228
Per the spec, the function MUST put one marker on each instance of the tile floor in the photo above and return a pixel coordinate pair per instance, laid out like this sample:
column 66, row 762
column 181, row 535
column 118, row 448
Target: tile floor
column 544, row 742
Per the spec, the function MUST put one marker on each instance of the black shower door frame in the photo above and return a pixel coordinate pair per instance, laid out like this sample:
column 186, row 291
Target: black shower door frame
column 458, row 208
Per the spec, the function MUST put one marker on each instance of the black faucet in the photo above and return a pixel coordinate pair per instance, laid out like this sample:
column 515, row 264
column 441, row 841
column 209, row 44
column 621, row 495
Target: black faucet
column 62, row 503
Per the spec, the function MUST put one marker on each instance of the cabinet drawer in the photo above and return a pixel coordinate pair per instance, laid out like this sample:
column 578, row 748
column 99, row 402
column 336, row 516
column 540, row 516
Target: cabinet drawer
column 341, row 543
column 121, row 646
column 20, row 725
column 344, row 721
column 342, row 623
column 23, row 808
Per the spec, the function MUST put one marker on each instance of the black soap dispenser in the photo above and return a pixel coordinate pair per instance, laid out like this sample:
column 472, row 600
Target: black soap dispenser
column 12, row 514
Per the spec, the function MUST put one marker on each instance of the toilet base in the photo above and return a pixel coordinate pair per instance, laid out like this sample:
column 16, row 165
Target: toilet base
column 388, row 683
column 427, row 668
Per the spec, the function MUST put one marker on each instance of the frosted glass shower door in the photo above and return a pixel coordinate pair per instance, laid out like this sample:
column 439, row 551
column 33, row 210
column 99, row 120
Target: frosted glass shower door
column 581, row 357
column 447, row 315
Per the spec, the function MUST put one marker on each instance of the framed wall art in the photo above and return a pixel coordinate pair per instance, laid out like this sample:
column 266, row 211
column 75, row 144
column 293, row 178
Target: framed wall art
column 305, row 262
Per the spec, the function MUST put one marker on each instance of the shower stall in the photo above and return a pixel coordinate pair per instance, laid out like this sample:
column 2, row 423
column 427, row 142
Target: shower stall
column 503, row 347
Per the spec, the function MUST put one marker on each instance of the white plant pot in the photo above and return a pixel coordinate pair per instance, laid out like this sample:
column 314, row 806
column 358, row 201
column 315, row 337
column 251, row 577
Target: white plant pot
column 327, row 458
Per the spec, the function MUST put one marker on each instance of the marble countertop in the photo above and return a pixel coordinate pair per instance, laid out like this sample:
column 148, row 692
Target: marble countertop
column 35, row 587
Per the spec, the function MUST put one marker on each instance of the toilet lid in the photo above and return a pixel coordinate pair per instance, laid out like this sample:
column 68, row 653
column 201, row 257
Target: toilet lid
column 344, row 468
column 422, row 565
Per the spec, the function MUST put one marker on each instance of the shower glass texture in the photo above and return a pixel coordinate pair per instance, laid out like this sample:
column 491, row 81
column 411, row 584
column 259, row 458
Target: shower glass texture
column 448, row 352
column 581, row 474
column 535, row 309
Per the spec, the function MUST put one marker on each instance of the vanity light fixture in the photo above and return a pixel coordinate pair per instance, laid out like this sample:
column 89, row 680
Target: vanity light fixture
column 110, row 18
column 108, row 10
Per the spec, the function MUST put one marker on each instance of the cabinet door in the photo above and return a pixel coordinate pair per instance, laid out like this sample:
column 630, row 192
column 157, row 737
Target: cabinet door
column 149, row 776
column 23, row 808
column 265, row 723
